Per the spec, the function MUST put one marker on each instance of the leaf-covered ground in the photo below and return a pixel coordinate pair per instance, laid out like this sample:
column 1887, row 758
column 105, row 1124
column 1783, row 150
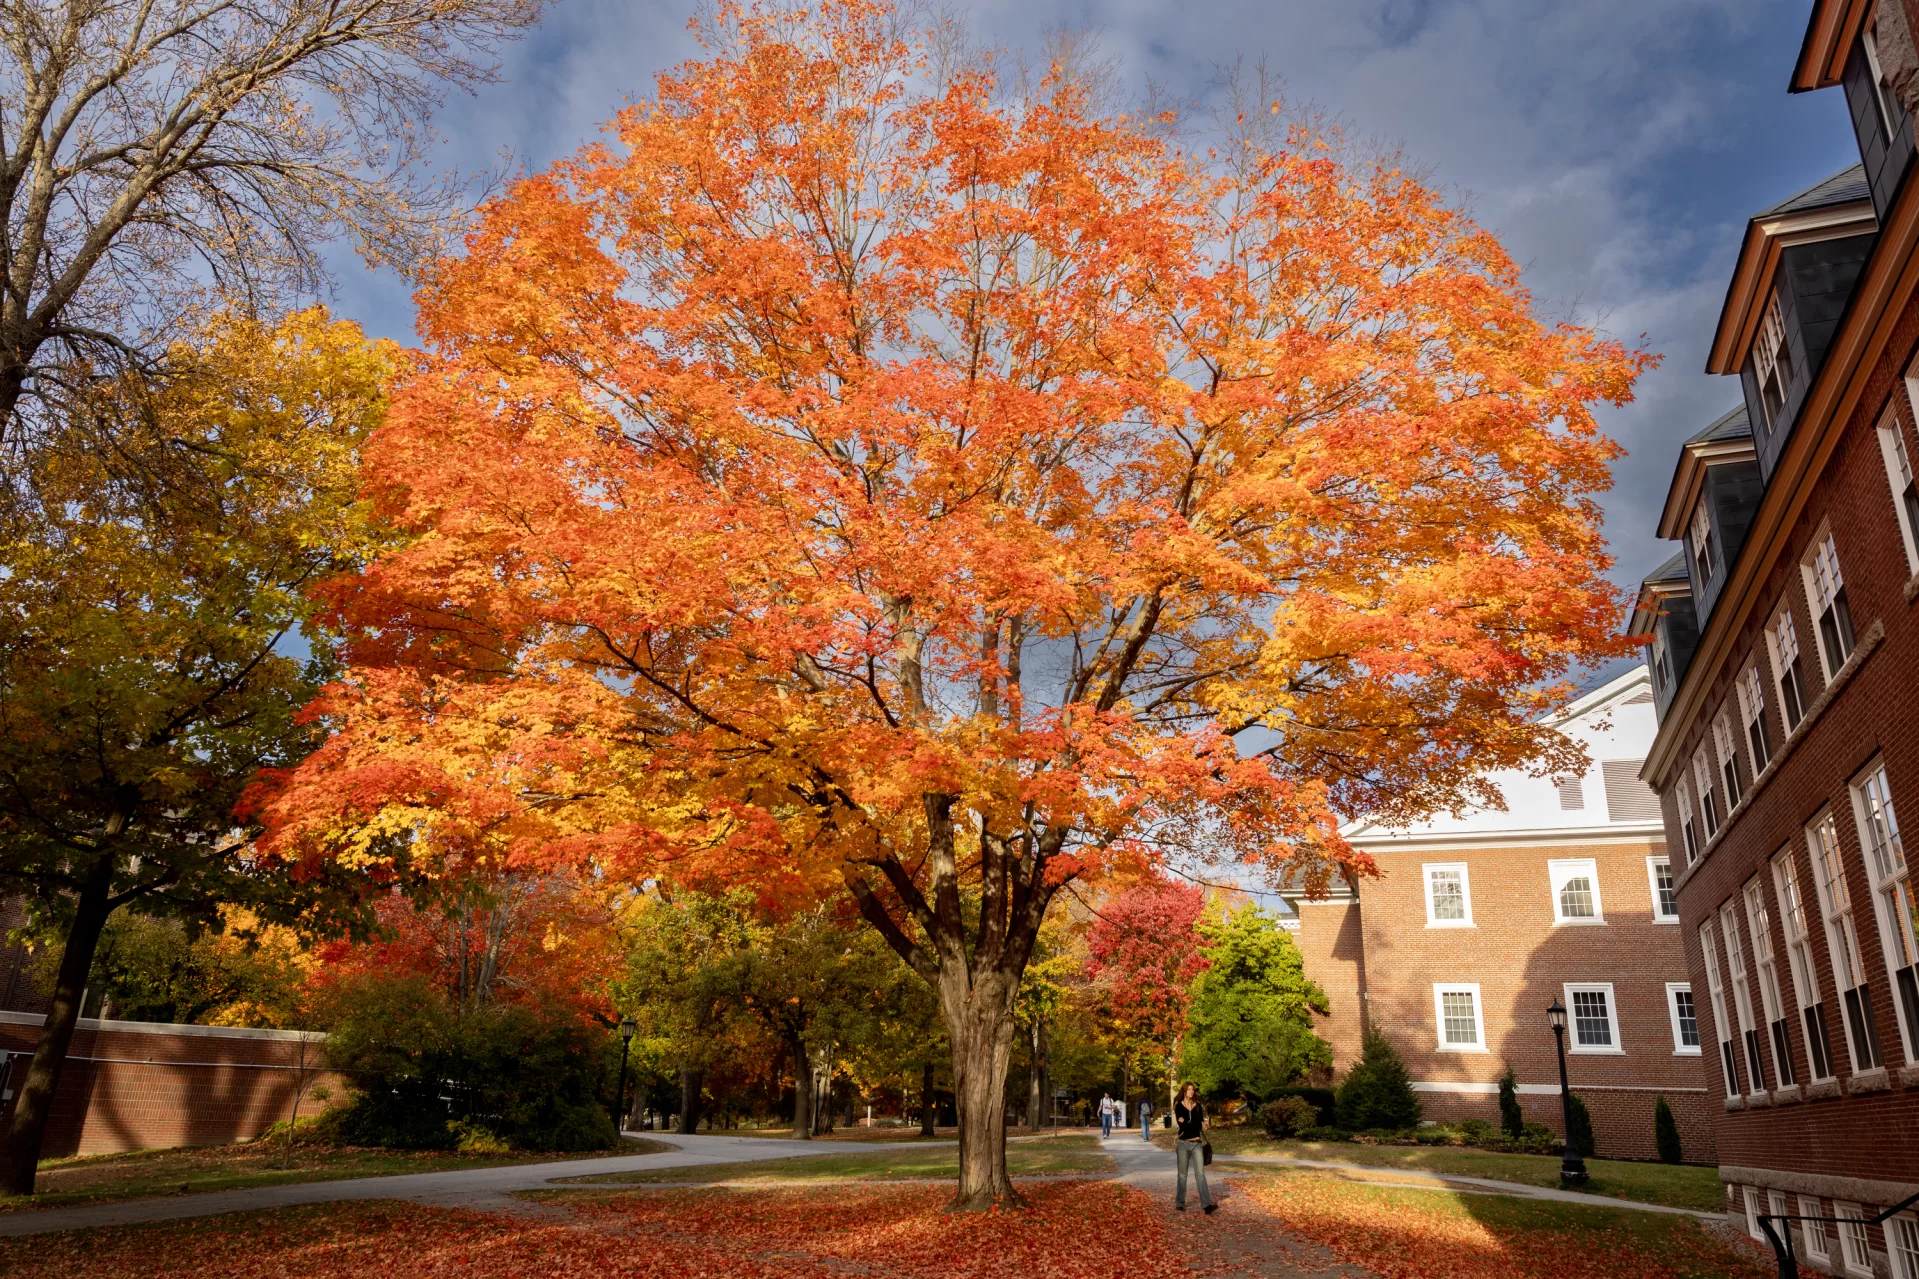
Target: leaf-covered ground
column 1271, row 1227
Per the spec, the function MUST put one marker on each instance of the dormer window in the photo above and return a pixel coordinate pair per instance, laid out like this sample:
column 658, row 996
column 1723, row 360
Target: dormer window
column 1661, row 659
column 1772, row 361
column 1703, row 553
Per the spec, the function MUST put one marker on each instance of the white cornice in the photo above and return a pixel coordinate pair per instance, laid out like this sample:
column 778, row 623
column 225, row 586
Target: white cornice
column 1537, row 837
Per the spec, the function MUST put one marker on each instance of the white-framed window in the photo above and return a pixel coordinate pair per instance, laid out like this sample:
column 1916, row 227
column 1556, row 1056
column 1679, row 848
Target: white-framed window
column 1461, row 1018
column 1722, row 742
column 1772, row 361
column 1702, row 771
column 1893, row 907
column 1752, row 717
column 1592, row 1017
column 1665, row 898
column 1813, row 1232
column 1575, row 885
column 1755, row 1200
column 1855, row 1249
column 1842, row 943
column 1826, row 592
column 1685, row 1019
column 1905, row 492
column 1788, row 667
column 1661, row 658
column 1902, row 1245
column 1742, row 996
column 1766, row 969
column 1703, row 552
column 1572, row 792
column 1776, row 1203
column 1688, row 828
column 1793, row 921
column 1715, row 987
column 1449, row 895
column 1890, row 112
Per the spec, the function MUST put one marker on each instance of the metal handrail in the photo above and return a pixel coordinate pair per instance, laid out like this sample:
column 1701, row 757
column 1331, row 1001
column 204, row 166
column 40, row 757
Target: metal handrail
column 1789, row 1263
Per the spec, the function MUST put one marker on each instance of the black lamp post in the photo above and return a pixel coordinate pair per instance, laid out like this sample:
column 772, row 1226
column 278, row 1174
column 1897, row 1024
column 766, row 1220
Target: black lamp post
column 627, row 1030
column 1572, row 1168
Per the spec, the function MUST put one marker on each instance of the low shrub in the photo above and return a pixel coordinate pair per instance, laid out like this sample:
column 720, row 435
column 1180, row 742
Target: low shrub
column 1476, row 1131
column 1665, row 1133
column 1321, row 1099
column 1579, row 1128
column 1378, row 1091
column 1288, row 1116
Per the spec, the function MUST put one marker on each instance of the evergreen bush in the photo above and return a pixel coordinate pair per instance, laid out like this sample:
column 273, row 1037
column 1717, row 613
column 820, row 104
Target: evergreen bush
column 1288, row 1116
column 1377, row 1092
column 1579, row 1136
column 1665, row 1133
column 1511, row 1118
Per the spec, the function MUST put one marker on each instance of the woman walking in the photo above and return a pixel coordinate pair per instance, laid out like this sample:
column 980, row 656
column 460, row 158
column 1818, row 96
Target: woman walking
column 1189, row 1117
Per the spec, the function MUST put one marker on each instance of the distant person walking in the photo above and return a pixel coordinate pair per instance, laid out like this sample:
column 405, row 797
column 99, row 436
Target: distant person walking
column 1105, row 1115
column 1145, row 1118
column 1189, row 1115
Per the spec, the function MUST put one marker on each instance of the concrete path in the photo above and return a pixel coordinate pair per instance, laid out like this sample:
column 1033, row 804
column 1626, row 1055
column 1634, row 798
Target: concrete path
column 486, row 1189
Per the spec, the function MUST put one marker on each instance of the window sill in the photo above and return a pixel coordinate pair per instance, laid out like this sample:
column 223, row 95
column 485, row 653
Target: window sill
column 1909, row 1076
column 1868, row 642
column 1595, row 1052
column 1755, row 1100
column 1822, row 1089
column 1686, row 1052
column 1466, row 1048
column 1450, row 923
column 1786, row 1096
column 1577, row 923
column 1912, row 588
column 1665, row 919
column 1735, row 1103
column 1874, row 1080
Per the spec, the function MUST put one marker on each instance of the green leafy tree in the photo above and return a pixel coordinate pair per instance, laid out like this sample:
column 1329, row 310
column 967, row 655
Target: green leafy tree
column 1579, row 1132
column 228, row 972
column 157, row 645
column 1251, row 1010
column 1377, row 1092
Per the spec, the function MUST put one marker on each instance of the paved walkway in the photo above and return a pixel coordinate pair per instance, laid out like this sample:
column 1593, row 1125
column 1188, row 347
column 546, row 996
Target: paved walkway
column 485, row 1189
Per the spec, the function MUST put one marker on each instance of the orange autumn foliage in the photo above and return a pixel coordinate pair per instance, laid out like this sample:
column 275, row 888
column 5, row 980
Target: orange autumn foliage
column 857, row 476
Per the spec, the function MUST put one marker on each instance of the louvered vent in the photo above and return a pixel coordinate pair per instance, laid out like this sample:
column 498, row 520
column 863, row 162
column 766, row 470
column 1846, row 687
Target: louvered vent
column 1627, row 798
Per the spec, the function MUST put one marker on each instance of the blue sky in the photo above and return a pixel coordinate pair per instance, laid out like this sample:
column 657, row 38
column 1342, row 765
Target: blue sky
column 1617, row 146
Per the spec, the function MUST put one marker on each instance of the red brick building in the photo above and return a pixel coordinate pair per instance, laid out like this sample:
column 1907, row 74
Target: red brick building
column 1786, row 669
column 1481, row 920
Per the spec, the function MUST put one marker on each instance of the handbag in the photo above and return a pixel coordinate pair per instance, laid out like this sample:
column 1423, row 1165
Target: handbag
column 1206, row 1154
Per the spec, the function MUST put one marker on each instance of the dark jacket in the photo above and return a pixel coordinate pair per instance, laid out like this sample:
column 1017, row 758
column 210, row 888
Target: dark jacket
column 1190, row 1121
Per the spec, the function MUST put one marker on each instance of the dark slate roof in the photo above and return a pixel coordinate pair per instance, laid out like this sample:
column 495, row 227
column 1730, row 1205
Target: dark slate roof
column 1734, row 425
column 1673, row 570
column 1844, row 187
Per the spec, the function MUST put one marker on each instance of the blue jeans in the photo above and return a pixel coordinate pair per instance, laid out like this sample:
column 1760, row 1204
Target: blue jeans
column 1146, row 1125
column 1188, row 1152
column 1105, row 1123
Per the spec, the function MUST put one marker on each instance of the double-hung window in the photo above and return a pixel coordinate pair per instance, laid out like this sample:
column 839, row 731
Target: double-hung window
column 1685, row 1019
column 1826, row 588
column 1814, row 1230
column 1449, row 898
column 1788, row 667
column 1772, row 361
column 1665, row 898
column 1805, row 979
column 1855, row 1249
column 1688, row 828
column 1722, row 744
column 1703, row 552
column 1462, row 1023
column 1905, row 492
column 1715, row 987
column 1752, row 714
column 1766, row 969
column 1742, row 996
column 1842, row 942
column 1575, row 885
column 1593, row 1017
column 1891, row 113
column 1702, row 771
column 1893, row 906
column 1661, row 659
column 1902, row 1245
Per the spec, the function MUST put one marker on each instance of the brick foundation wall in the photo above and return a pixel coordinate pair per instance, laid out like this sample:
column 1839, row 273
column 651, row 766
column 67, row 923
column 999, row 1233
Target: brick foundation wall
column 138, row 1086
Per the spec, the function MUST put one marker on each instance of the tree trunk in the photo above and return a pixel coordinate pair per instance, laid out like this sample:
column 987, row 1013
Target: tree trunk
column 927, row 1103
column 20, row 1158
column 691, row 1081
column 1035, row 1117
column 802, row 1094
column 979, row 1022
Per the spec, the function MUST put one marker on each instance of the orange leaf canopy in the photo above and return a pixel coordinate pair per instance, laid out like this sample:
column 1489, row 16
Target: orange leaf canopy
column 855, row 471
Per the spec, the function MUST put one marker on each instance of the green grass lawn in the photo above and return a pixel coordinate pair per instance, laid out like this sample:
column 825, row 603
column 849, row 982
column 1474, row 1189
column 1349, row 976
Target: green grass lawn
column 1675, row 1185
column 1074, row 1154
column 838, row 1134
column 139, row 1174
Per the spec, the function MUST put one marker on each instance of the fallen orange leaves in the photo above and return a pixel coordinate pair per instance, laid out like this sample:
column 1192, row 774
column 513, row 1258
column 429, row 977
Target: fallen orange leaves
column 1085, row 1230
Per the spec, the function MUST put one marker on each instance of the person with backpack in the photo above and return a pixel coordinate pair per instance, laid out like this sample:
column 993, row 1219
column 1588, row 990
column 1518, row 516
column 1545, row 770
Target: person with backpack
column 1145, row 1118
column 1189, row 1115
column 1105, row 1115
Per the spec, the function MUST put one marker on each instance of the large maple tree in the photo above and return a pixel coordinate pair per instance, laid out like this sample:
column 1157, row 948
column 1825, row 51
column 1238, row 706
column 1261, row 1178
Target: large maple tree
column 857, row 475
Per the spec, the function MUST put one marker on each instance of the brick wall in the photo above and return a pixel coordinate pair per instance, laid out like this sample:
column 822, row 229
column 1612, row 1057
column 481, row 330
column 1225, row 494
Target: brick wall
column 1330, row 940
column 136, row 1085
column 1521, row 961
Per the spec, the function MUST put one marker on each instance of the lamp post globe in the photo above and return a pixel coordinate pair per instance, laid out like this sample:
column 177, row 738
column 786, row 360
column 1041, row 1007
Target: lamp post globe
column 1572, row 1167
